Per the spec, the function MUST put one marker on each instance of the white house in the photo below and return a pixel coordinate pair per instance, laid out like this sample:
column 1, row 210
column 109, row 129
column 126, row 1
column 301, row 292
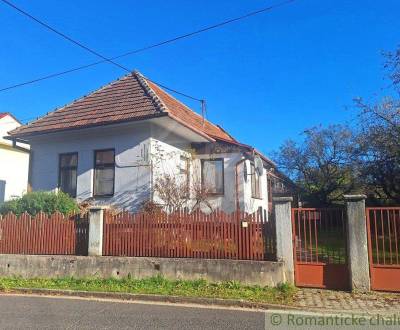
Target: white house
column 14, row 161
column 114, row 145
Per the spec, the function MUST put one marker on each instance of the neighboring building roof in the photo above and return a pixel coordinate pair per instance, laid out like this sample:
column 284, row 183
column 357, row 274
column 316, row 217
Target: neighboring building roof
column 5, row 114
column 132, row 97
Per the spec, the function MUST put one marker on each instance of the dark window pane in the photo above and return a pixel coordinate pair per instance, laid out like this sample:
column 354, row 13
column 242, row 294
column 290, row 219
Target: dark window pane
column 104, row 181
column 68, row 173
column 67, row 160
column 213, row 176
column 104, row 157
column 104, row 173
column 68, row 181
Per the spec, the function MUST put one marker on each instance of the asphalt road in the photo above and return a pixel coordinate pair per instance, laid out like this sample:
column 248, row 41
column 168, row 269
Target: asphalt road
column 32, row 312
column 38, row 312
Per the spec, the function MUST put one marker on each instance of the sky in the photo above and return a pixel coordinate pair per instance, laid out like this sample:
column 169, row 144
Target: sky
column 265, row 79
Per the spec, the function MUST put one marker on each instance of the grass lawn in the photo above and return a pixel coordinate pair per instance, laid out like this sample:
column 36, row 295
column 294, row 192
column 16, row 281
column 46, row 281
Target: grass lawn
column 282, row 294
column 331, row 247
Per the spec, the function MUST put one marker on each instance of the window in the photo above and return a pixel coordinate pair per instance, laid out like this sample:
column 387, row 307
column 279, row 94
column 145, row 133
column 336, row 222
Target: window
column 185, row 171
column 255, row 183
column 270, row 185
column 104, row 172
column 212, row 175
column 67, row 169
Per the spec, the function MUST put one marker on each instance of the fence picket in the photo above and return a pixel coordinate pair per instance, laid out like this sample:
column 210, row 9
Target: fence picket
column 180, row 234
column 187, row 235
column 42, row 234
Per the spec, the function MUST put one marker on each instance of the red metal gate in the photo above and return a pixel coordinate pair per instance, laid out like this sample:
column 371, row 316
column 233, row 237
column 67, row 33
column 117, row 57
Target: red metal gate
column 319, row 243
column 383, row 227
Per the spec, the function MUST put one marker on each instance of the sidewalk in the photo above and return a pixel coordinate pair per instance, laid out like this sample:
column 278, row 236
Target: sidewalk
column 371, row 303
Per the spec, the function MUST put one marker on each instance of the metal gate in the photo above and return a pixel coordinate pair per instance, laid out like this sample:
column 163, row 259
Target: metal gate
column 383, row 228
column 319, row 243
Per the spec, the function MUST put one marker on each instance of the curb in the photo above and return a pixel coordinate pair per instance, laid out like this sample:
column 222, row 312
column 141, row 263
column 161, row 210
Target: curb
column 154, row 298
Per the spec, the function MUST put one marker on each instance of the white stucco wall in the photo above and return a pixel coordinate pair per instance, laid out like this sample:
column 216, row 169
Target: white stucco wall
column 132, row 170
column 144, row 152
column 227, row 201
column 14, row 163
column 166, row 148
column 252, row 204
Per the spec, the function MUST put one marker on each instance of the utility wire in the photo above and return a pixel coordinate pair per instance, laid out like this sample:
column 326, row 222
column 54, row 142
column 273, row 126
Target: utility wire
column 215, row 26
column 63, row 35
column 79, row 44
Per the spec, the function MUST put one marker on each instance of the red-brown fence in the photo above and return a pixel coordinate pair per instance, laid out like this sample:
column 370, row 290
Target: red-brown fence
column 44, row 234
column 320, row 247
column 190, row 235
column 383, row 229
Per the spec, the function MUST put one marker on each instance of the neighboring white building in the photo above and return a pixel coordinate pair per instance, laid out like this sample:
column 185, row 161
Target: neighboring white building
column 14, row 161
column 113, row 145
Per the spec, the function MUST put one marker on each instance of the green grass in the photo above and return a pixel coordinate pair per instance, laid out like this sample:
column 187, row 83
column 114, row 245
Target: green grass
column 331, row 246
column 282, row 294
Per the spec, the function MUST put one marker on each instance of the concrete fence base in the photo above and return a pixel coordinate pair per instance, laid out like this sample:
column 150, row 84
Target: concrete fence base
column 265, row 273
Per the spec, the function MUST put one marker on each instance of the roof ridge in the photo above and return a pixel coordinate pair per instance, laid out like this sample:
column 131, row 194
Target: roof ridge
column 153, row 95
column 50, row 113
column 138, row 95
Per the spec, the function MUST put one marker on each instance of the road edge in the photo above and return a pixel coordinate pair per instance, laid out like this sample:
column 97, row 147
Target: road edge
column 153, row 298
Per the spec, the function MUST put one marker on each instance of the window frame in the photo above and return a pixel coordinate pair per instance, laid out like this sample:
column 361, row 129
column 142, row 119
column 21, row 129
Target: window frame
column 68, row 167
column 223, row 175
column 254, row 175
column 95, row 166
column 185, row 172
column 269, row 187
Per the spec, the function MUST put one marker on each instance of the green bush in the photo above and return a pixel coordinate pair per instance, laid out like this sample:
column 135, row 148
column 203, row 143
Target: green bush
column 40, row 201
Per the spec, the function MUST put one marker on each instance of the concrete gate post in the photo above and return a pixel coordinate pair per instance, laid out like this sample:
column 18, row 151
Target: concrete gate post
column 96, row 218
column 284, row 235
column 357, row 243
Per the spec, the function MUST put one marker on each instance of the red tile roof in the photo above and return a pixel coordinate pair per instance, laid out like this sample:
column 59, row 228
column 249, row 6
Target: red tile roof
column 129, row 98
column 181, row 111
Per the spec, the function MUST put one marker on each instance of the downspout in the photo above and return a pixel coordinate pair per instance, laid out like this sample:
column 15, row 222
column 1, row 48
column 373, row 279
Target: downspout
column 237, row 182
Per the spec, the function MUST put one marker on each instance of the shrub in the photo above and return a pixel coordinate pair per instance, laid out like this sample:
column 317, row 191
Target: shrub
column 40, row 201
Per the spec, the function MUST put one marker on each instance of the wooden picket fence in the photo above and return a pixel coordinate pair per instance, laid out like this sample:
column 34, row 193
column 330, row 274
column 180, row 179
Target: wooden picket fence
column 44, row 234
column 190, row 235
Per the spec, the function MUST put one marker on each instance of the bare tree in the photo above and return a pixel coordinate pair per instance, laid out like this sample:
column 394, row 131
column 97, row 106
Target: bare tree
column 321, row 164
column 179, row 190
column 174, row 193
column 379, row 138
